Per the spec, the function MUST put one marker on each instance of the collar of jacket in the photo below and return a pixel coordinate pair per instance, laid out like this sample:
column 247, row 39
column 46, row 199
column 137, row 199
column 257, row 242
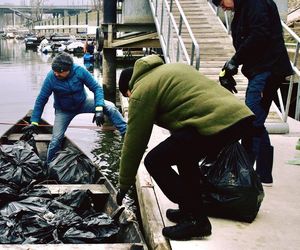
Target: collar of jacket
column 143, row 65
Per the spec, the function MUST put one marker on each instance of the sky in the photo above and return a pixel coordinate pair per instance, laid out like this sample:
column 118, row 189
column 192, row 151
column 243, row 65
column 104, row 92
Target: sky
column 47, row 2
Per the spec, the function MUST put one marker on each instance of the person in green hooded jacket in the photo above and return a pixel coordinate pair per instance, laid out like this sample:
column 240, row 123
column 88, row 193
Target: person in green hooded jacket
column 202, row 118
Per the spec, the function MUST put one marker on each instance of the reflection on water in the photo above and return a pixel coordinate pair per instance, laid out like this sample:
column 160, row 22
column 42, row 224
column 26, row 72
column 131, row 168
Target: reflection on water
column 22, row 73
column 107, row 154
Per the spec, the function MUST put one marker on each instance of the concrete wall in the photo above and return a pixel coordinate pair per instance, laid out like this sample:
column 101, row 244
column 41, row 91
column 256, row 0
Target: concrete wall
column 136, row 11
column 282, row 6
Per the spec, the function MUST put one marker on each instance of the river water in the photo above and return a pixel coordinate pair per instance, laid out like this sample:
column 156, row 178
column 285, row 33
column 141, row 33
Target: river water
column 21, row 75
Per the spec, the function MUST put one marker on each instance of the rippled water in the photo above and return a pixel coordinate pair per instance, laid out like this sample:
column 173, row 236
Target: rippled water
column 21, row 75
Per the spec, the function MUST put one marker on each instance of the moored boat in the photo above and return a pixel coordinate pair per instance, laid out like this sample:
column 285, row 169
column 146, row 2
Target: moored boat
column 103, row 192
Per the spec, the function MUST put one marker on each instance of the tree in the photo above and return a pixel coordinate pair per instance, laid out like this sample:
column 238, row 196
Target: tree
column 97, row 4
column 37, row 9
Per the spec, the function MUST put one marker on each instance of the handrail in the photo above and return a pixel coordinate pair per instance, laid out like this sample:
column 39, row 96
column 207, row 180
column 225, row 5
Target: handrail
column 170, row 33
column 284, row 110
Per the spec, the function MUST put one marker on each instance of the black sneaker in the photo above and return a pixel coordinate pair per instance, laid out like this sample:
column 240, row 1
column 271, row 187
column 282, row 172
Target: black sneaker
column 175, row 215
column 188, row 229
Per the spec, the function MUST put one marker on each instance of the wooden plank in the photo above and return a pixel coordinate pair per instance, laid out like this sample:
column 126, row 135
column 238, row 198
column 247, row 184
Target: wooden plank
column 150, row 212
column 118, row 246
column 39, row 137
column 149, row 207
column 63, row 188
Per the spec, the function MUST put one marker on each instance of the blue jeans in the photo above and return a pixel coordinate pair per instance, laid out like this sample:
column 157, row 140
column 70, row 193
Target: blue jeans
column 63, row 119
column 259, row 146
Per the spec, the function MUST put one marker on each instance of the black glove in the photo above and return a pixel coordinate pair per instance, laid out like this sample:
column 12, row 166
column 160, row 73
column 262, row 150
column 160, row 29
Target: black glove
column 227, row 81
column 231, row 67
column 98, row 118
column 30, row 129
column 120, row 196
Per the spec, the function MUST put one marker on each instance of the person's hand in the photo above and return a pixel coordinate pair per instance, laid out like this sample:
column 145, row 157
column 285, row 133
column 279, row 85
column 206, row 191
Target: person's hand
column 230, row 67
column 120, row 196
column 30, row 129
column 99, row 116
column 227, row 81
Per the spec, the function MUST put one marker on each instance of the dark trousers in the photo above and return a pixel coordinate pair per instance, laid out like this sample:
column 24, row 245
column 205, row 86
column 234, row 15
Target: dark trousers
column 259, row 95
column 185, row 148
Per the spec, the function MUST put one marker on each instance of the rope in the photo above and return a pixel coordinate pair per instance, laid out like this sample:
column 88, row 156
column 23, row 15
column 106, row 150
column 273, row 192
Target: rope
column 106, row 128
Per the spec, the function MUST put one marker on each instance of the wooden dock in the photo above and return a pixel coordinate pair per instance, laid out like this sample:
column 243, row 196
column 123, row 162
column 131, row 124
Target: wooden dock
column 275, row 227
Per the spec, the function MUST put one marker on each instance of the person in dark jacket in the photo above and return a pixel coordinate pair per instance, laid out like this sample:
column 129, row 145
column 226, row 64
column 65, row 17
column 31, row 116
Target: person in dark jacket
column 67, row 82
column 202, row 117
column 258, row 40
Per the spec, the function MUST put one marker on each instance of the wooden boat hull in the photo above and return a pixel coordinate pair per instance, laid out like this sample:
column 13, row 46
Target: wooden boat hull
column 129, row 237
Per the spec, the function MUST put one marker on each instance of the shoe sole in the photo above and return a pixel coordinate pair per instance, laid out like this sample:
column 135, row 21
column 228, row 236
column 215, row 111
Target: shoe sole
column 200, row 237
column 267, row 184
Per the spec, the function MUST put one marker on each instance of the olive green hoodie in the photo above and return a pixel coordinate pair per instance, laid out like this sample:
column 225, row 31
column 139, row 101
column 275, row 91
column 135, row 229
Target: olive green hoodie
column 172, row 96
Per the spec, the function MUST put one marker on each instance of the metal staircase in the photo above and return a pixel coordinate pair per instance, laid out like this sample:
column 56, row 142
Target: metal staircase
column 191, row 32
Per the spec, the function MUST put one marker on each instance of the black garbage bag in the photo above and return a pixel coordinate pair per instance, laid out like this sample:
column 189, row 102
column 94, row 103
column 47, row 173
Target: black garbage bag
column 63, row 219
column 19, row 163
column 30, row 204
column 35, row 228
column 79, row 200
column 72, row 167
column 8, row 192
column 233, row 189
column 96, row 228
column 10, row 231
column 35, row 191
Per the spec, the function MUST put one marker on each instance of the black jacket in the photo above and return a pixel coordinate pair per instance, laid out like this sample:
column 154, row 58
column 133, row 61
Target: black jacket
column 258, row 38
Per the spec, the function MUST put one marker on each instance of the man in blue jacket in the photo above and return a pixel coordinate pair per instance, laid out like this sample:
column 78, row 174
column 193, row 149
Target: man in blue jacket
column 258, row 40
column 66, row 81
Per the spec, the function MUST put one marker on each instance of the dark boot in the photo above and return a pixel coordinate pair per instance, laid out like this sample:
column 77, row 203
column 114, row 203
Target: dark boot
column 264, row 165
column 188, row 228
column 175, row 215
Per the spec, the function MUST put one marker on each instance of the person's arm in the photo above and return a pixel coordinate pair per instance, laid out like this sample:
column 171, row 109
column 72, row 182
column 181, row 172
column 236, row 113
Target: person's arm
column 139, row 127
column 259, row 33
column 41, row 101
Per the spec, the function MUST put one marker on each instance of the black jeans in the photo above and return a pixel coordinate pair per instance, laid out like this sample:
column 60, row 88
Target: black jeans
column 185, row 148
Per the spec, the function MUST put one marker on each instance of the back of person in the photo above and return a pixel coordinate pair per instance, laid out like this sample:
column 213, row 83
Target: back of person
column 182, row 97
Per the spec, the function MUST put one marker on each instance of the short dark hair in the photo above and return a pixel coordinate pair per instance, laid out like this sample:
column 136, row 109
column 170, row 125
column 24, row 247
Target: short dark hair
column 62, row 62
column 124, row 80
column 216, row 2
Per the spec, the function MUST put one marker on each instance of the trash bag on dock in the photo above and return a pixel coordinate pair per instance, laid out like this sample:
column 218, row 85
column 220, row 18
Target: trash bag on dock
column 19, row 163
column 233, row 188
column 72, row 167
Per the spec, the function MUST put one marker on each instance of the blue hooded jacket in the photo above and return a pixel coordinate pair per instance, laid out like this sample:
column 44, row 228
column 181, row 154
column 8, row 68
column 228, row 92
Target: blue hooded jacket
column 69, row 93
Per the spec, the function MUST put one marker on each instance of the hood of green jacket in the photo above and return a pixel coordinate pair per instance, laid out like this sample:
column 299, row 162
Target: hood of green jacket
column 142, row 66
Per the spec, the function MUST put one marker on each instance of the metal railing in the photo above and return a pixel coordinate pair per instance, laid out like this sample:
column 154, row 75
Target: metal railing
column 176, row 38
column 293, row 79
column 294, row 62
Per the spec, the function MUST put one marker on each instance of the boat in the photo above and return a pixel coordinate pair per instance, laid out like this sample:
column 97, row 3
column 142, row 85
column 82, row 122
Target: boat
column 104, row 193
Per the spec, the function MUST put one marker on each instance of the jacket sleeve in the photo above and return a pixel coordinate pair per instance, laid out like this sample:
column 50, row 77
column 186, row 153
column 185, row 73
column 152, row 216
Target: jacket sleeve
column 93, row 86
column 41, row 100
column 258, row 33
column 139, row 128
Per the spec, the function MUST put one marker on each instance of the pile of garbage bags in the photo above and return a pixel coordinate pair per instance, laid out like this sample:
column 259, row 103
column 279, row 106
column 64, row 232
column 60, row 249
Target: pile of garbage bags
column 31, row 214
column 20, row 164
column 34, row 216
